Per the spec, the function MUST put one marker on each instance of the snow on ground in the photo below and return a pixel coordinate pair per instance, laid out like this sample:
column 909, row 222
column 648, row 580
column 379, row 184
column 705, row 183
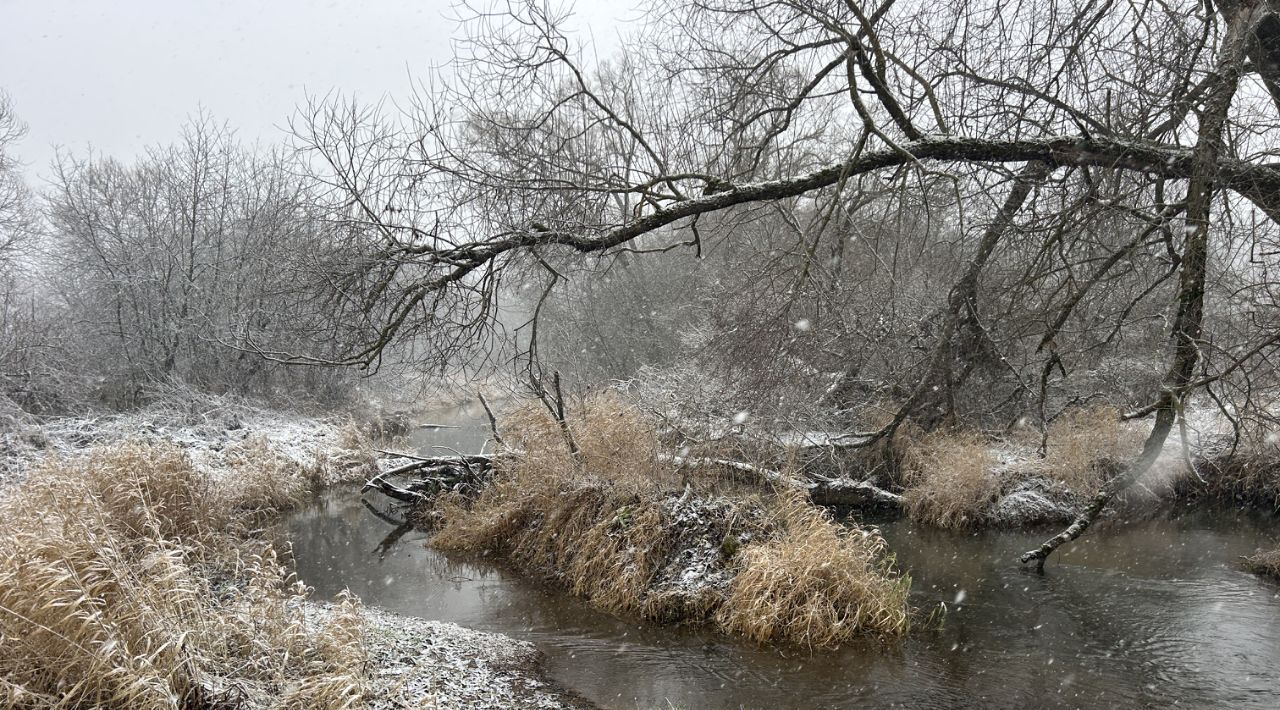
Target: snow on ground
column 414, row 662
column 430, row 664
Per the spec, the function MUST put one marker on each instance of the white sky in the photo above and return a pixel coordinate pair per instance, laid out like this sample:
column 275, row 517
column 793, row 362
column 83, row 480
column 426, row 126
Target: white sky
column 123, row 75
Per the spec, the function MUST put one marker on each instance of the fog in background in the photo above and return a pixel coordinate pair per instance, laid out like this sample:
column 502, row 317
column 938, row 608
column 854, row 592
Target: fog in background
column 118, row 77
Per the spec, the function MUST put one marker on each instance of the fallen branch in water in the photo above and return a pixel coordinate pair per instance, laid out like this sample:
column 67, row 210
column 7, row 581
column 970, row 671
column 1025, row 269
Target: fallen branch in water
column 468, row 473
column 434, row 475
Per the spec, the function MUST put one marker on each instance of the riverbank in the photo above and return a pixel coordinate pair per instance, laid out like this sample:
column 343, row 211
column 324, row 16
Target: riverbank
column 1153, row 613
column 136, row 567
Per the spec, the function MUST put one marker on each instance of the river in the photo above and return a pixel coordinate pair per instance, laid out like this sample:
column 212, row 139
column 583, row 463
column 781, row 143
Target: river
column 1152, row 613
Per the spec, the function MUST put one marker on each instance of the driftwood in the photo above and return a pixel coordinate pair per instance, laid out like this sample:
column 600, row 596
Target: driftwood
column 433, row 476
column 820, row 489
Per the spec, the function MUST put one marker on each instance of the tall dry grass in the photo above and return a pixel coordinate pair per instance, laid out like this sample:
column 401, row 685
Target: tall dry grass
column 1247, row 475
column 124, row 584
column 611, row 523
column 949, row 479
column 1082, row 442
column 816, row 583
column 1266, row 564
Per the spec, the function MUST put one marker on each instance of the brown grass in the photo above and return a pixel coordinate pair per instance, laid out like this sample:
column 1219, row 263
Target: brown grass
column 949, row 480
column 612, row 523
column 123, row 584
column 1081, row 443
column 1264, row 563
column 1249, row 475
column 815, row 584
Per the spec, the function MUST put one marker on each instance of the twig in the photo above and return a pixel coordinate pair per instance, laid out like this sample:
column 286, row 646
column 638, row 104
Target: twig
column 493, row 421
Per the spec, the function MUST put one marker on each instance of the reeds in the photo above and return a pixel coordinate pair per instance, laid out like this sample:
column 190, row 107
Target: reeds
column 124, row 584
column 618, row 526
column 949, row 480
column 816, row 583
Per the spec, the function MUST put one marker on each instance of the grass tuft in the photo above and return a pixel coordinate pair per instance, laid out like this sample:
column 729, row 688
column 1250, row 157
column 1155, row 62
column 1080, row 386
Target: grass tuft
column 1266, row 564
column 623, row 529
column 949, row 480
column 1248, row 475
column 124, row 584
column 1083, row 441
column 815, row 584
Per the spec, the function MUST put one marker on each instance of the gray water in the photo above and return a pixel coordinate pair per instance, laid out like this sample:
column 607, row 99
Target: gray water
column 1147, row 614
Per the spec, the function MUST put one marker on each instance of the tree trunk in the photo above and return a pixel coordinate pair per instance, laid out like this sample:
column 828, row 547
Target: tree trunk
column 1241, row 19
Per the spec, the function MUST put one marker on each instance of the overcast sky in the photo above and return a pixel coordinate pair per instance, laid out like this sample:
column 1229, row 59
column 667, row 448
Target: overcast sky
column 119, row 76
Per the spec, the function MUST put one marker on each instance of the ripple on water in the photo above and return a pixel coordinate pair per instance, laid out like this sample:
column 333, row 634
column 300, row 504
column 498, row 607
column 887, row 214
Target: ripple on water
column 1152, row 614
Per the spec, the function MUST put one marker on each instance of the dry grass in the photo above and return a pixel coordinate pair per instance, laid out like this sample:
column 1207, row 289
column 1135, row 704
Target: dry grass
column 1081, row 443
column 1249, row 475
column 594, row 522
column 613, row 523
column 123, row 584
column 815, row 584
column 1264, row 563
column 950, row 483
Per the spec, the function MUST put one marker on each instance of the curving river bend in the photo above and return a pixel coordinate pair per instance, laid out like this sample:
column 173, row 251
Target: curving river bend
column 1149, row 614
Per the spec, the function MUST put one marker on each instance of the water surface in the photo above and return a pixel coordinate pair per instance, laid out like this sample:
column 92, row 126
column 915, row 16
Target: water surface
column 1149, row 614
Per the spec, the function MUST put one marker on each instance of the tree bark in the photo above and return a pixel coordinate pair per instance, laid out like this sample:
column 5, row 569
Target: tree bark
column 1241, row 20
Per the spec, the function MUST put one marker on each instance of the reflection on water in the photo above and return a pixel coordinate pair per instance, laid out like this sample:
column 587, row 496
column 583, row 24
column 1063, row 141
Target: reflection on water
column 1148, row 615
column 461, row 429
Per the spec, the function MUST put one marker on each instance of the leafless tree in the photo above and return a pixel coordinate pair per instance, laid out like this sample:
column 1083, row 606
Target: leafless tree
column 1084, row 165
column 182, row 265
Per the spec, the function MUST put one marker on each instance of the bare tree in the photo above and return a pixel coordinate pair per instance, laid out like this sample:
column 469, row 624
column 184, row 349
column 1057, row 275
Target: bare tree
column 1069, row 154
column 182, row 265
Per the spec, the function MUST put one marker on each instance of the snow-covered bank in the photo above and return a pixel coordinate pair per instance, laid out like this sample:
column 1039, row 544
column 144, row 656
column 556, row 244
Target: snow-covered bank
column 419, row 663
column 246, row 451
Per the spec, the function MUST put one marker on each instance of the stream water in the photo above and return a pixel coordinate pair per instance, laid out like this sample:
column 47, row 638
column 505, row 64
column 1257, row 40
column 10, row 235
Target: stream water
column 1148, row 614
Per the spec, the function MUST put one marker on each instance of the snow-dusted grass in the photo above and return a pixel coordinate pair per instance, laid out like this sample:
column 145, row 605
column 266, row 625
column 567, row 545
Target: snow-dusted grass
column 619, row 525
column 132, row 574
column 126, row 581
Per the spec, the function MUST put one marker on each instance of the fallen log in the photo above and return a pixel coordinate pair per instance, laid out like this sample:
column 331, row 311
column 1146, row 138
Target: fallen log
column 821, row 490
column 432, row 476
column 467, row 474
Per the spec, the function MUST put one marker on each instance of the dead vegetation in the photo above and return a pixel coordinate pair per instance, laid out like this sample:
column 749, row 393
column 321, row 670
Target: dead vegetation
column 1248, row 474
column 815, row 583
column 1082, row 441
column 126, row 582
column 1266, row 564
column 622, row 527
column 949, row 480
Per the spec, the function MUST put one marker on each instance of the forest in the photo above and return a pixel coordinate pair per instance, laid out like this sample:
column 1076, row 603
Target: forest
column 788, row 353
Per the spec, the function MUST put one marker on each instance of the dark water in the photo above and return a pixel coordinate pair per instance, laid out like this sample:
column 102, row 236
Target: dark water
column 1152, row 614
